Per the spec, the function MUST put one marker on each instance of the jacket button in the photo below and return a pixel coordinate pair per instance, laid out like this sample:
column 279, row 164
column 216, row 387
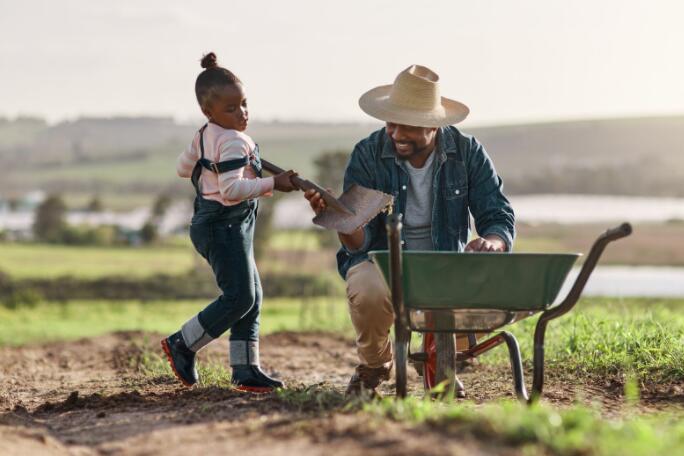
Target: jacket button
column 403, row 187
column 457, row 192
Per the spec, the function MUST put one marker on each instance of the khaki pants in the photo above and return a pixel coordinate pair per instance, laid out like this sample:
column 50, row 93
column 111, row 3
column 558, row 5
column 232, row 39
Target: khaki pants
column 370, row 308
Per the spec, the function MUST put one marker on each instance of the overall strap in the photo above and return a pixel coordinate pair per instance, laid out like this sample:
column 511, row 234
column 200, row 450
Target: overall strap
column 197, row 170
column 224, row 166
column 256, row 162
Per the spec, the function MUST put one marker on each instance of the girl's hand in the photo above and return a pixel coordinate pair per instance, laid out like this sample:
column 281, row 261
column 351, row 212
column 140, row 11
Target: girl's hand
column 282, row 182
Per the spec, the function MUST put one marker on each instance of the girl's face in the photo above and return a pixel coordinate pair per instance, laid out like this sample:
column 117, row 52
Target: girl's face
column 228, row 108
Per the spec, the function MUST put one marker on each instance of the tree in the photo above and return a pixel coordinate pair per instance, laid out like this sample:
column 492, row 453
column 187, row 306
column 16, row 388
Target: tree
column 264, row 225
column 95, row 204
column 161, row 205
column 50, row 219
column 149, row 233
column 330, row 166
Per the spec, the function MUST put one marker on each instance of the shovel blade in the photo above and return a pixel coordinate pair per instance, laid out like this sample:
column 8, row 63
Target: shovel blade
column 365, row 204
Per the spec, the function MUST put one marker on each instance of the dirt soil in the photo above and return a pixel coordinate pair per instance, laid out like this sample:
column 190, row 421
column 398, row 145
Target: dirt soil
column 89, row 397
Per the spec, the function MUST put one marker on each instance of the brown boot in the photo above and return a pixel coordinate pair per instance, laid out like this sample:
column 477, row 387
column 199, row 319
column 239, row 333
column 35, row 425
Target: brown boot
column 366, row 379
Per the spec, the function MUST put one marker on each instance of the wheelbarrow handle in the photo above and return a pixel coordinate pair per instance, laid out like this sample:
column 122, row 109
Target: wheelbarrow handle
column 570, row 300
column 600, row 244
column 618, row 232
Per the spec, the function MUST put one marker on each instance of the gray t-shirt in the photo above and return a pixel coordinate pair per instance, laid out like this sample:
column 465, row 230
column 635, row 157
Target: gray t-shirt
column 418, row 215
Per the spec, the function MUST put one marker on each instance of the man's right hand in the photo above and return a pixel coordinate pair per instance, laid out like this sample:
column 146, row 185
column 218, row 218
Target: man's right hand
column 354, row 240
column 316, row 201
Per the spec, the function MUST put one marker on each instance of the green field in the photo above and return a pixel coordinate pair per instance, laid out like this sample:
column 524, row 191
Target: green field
column 76, row 319
column 650, row 244
column 49, row 260
column 175, row 256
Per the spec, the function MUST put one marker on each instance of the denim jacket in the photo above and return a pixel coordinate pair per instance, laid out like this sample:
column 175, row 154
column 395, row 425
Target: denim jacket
column 465, row 182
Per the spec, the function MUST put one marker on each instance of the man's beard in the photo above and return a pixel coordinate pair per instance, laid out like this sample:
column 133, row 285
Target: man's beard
column 415, row 150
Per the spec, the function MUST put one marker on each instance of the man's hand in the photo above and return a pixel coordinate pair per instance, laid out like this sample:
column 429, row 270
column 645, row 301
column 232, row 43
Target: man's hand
column 490, row 243
column 352, row 241
column 316, row 201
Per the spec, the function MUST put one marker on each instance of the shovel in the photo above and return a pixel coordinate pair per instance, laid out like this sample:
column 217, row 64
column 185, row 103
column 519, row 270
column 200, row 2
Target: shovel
column 346, row 214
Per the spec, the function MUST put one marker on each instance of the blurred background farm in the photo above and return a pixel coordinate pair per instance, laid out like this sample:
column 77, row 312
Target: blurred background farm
column 90, row 204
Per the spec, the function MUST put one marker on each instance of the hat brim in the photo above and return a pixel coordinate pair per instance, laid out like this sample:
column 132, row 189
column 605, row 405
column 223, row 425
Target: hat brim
column 376, row 103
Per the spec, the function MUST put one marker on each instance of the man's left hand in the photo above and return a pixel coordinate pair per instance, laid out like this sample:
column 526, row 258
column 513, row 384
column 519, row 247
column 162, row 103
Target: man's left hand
column 490, row 243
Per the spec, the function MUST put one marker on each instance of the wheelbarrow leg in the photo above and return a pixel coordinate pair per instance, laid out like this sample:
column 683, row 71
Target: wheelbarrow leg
column 516, row 365
column 513, row 354
column 401, row 346
column 402, row 333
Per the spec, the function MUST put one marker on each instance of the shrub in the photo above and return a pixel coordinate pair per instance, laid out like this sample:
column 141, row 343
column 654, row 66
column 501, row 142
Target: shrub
column 22, row 297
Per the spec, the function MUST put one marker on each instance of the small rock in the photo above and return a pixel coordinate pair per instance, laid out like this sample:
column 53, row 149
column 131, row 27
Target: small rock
column 100, row 415
column 72, row 399
column 20, row 409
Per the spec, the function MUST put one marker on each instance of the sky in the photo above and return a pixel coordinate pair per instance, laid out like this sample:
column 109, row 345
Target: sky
column 509, row 61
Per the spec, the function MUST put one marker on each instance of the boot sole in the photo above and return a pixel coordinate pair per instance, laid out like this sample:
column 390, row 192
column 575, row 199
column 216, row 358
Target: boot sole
column 167, row 351
column 255, row 389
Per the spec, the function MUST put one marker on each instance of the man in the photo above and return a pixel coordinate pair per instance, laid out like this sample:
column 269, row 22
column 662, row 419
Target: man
column 438, row 177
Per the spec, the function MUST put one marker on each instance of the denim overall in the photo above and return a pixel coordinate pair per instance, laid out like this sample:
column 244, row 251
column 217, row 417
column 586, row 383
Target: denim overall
column 223, row 235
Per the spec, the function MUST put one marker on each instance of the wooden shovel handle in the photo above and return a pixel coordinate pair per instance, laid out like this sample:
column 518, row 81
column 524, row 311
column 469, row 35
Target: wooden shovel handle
column 304, row 185
column 301, row 184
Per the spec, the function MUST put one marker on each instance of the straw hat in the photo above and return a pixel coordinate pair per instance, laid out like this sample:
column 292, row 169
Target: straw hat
column 413, row 99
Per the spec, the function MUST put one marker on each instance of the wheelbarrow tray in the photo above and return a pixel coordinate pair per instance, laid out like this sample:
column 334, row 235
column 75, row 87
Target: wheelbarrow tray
column 492, row 281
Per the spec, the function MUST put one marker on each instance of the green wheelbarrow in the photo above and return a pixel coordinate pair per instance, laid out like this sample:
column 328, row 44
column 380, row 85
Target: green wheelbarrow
column 441, row 294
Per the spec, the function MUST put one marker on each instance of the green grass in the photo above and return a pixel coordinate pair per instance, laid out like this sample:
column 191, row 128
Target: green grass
column 540, row 429
column 153, row 365
column 49, row 261
column 175, row 256
column 299, row 240
column 607, row 337
column 530, row 244
column 72, row 320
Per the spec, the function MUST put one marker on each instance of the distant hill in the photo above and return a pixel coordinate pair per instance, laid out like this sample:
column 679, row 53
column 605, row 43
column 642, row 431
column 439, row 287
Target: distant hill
column 131, row 155
column 635, row 156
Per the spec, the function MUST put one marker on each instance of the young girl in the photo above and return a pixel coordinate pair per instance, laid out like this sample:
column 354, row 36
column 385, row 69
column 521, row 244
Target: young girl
column 223, row 163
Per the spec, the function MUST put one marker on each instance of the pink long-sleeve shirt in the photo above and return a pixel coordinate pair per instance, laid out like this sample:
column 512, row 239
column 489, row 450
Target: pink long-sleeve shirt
column 231, row 187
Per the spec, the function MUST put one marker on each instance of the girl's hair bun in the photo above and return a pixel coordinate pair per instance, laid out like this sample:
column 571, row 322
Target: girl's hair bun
column 209, row 61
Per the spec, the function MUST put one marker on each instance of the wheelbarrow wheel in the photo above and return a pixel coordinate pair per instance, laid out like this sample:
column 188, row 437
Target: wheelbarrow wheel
column 430, row 363
column 401, row 367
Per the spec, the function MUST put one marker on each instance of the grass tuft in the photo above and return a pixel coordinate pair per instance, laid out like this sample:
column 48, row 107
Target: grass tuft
column 318, row 397
column 573, row 431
